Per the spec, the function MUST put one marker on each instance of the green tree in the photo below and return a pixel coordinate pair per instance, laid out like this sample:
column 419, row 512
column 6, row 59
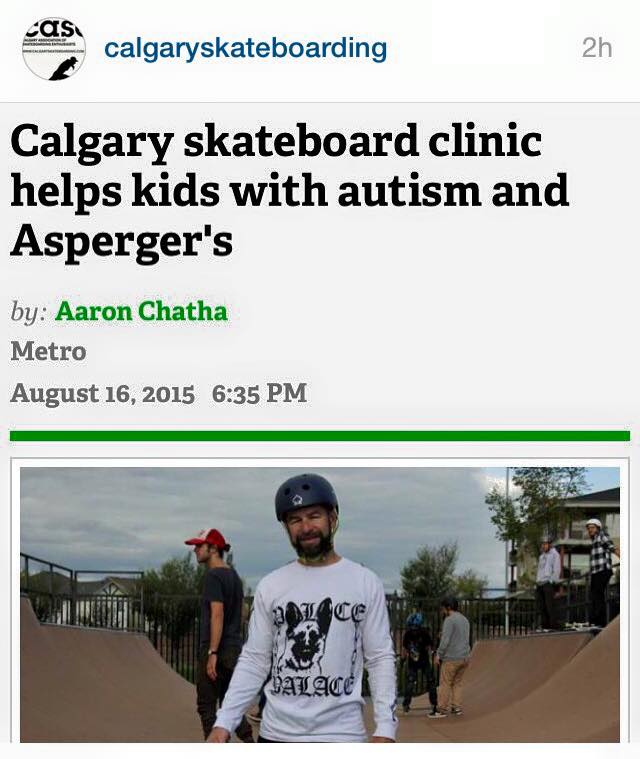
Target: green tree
column 431, row 573
column 470, row 584
column 535, row 509
column 178, row 576
column 45, row 589
column 171, row 596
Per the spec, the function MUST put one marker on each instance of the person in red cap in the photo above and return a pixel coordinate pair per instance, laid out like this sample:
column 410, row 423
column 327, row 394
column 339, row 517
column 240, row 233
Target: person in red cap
column 220, row 629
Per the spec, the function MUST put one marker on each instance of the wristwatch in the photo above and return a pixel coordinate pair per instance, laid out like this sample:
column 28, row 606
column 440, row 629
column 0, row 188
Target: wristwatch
column 212, row 651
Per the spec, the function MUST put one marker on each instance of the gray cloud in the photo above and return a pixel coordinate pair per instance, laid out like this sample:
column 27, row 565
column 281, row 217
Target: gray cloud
column 137, row 518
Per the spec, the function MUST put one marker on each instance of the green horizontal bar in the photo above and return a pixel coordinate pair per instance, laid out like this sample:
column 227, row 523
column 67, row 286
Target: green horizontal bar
column 184, row 436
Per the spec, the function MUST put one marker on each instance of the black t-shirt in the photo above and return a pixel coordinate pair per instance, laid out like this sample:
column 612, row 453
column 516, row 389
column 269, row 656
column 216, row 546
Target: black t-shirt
column 224, row 586
column 417, row 641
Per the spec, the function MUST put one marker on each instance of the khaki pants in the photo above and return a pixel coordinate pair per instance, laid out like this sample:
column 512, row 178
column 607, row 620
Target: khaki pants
column 450, row 690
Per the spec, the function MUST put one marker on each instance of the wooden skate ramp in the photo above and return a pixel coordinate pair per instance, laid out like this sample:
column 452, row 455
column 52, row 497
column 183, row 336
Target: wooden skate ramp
column 505, row 670
column 85, row 685
column 552, row 688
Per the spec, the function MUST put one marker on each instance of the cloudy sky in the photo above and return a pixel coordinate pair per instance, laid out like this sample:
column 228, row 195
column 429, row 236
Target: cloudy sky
column 137, row 518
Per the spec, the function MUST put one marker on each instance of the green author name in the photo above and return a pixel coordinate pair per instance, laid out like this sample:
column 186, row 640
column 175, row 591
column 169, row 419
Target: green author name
column 146, row 311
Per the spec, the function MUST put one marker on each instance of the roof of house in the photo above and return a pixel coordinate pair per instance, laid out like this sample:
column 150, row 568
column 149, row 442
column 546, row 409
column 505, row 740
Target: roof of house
column 43, row 581
column 62, row 584
column 610, row 497
column 573, row 543
column 126, row 585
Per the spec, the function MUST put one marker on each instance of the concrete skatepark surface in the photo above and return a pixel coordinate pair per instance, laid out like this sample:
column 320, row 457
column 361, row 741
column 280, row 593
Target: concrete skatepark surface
column 87, row 685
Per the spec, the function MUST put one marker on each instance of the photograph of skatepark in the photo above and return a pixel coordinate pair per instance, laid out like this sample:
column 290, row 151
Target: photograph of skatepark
column 110, row 608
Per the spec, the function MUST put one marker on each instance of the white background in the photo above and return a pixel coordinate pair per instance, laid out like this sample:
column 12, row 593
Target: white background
column 439, row 50
column 402, row 318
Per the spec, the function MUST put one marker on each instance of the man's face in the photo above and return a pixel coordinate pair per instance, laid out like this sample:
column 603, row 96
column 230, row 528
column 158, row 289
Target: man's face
column 592, row 530
column 310, row 531
column 202, row 552
column 545, row 547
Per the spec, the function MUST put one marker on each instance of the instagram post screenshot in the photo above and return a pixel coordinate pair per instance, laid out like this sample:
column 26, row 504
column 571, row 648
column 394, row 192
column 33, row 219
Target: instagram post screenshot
column 321, row 411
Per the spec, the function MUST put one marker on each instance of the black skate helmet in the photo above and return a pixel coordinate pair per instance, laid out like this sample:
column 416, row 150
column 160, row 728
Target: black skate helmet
column 304, row 490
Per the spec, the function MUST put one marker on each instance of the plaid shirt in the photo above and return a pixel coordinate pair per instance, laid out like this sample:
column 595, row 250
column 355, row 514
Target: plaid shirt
column 601, row 549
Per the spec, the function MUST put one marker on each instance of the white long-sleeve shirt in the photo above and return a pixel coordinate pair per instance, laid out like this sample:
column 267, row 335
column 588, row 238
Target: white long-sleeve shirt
column 549, row 567
column 313, row 629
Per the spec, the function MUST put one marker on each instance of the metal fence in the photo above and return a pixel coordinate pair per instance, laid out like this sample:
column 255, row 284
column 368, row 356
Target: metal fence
column 100, row 611
column 172, row 623
column 173, row 626
column 59, row 597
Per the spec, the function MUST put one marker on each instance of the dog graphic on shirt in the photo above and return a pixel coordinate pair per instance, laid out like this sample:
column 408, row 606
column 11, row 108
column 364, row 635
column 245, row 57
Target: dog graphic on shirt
column 305, row 639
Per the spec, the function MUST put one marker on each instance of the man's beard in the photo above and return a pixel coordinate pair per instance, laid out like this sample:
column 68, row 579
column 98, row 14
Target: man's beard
column 315, row 551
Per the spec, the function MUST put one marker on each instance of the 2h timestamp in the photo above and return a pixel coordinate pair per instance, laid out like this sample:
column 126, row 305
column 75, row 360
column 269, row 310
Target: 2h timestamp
column 271, row 392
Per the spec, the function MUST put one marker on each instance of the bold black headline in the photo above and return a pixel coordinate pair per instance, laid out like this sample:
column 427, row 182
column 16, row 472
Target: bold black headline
column 158, row 187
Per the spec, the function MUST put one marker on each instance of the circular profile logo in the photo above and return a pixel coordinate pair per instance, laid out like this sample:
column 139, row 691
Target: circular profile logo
column 53, row 48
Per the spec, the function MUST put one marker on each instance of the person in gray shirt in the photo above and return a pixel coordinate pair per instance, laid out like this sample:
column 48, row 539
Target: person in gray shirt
column 547, row 578
column 453, row 657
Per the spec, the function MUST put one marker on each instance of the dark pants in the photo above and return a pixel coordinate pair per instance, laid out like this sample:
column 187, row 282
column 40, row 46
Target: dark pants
column 599, row 582
column 210, row 693
column 412, row 678
column 545, row 595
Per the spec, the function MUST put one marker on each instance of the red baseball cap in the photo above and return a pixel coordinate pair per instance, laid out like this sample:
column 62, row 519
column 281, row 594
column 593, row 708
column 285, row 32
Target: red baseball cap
column 213, row 537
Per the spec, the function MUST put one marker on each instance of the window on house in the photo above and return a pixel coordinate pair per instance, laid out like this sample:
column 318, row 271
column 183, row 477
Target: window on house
column 577, row 530
column 612, row 525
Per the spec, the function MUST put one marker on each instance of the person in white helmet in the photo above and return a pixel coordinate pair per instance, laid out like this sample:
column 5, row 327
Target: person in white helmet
column 601, row 570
